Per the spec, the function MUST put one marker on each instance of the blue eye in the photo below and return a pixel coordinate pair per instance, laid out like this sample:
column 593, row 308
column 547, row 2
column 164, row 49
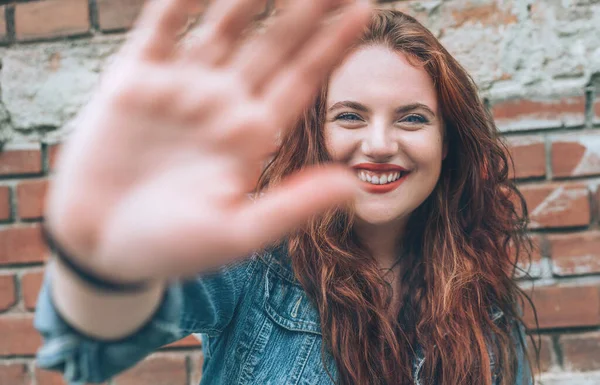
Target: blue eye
column 415, row 119
column 348, row 116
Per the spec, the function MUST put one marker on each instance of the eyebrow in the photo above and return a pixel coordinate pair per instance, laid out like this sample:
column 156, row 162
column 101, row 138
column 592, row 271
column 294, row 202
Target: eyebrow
column 414, row 106
column 349, row 104
column 400, row 110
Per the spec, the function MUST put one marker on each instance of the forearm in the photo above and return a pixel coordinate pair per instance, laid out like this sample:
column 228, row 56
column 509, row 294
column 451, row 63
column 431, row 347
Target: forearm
column 102, row 315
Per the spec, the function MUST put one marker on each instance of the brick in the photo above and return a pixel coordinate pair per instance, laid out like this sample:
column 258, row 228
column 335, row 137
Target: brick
column 31, row 284
column 7, row 292
column 527, row 114
column 564, row 306
column 532, row 265
column 3, row 30
column 16, row 162
column 576, row 155
column 18, row 336
column 557, row 205
column 187, row 342
column 46, row 377
column 5, row 213
column 158, row 369
column 575, row 254
column 485, row 14
column 118, row 14
column 548, row 359
column 51, row 18
column 581, row 352
column 597, row 202
column 529, row 156
column 22, row 244
column 14, row 374
column 31, row 197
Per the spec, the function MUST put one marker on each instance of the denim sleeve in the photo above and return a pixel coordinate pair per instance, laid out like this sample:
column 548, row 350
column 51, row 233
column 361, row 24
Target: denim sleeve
column 524, row 376
column 205, row 304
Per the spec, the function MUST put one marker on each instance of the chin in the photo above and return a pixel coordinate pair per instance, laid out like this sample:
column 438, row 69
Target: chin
column 379, row 217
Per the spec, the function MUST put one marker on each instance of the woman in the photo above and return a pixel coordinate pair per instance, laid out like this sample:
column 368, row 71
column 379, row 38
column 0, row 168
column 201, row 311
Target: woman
column 403, row 277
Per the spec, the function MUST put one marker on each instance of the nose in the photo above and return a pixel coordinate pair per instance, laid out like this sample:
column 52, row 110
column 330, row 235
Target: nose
column 379, row 144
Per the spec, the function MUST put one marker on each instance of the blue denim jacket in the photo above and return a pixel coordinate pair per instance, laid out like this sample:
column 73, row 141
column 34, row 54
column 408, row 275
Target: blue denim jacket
column 257, row 324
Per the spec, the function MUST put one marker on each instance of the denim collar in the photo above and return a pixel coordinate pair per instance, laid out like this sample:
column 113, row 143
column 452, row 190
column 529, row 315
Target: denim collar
column 277, row 259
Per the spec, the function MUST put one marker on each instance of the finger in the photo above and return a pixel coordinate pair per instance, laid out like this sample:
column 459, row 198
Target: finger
column 222, row 28
column 295, row 87
column 292, row 204
column 156, row 32
column 258, row 60
column 197, row 235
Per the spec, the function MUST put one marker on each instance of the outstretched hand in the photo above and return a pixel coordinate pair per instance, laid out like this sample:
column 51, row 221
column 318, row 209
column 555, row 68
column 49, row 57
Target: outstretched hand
column 153, row 182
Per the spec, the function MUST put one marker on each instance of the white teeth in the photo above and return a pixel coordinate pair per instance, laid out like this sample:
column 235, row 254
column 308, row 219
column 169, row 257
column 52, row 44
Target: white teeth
column 366, row 176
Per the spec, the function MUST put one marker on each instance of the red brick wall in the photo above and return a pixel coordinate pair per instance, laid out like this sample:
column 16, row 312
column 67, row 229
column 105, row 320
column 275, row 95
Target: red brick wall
column 554, row 139
column 23, row 181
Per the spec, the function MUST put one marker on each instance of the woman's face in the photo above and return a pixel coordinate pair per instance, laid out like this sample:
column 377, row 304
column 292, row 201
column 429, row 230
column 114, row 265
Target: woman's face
column 383, row 120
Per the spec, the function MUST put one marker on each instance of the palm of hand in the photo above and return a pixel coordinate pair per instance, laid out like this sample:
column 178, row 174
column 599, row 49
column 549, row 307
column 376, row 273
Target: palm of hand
column 156, row 175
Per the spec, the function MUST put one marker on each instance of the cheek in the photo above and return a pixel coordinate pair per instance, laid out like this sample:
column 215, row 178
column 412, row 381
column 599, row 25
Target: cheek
column 339, row 143
column 426, row 152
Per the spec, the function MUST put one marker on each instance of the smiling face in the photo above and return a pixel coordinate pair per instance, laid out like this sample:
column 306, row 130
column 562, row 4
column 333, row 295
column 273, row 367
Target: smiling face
column 383, row 120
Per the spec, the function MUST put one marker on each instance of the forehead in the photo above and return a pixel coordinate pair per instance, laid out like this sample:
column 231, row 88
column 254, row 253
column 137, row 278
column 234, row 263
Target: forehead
column 376, row 74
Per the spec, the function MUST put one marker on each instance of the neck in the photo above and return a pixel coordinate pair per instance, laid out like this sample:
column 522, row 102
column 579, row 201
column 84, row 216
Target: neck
column 381, row 240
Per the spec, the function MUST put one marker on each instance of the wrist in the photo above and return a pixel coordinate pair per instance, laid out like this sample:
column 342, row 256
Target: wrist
column 106, row 316
column 99, row 282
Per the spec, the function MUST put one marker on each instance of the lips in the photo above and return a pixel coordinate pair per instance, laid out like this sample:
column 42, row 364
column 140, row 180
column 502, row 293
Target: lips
column 380, row 167
column 375, row 176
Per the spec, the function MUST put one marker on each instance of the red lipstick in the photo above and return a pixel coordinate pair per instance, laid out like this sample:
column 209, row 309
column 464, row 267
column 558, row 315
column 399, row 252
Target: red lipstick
column 381, row 168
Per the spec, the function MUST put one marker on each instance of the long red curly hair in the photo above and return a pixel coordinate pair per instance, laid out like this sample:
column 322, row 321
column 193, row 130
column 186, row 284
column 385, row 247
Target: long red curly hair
column 460, row 250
